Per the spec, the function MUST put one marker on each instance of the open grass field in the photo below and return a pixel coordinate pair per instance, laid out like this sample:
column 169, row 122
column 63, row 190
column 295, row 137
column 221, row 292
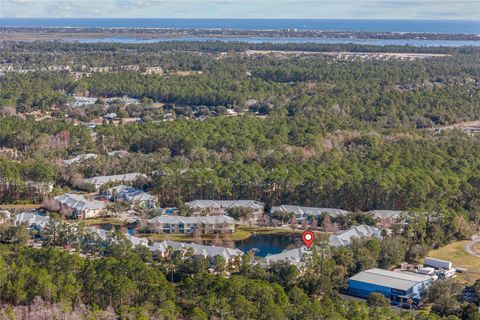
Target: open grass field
column 456, row 253
column 113, row 221
column 19, row 206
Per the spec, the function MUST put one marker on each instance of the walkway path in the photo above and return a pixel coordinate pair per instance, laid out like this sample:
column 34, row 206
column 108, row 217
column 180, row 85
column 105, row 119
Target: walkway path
column 470, row 247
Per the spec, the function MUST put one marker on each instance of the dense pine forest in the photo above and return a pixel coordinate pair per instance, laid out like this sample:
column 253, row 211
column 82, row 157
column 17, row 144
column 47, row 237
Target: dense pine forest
column 315, row 130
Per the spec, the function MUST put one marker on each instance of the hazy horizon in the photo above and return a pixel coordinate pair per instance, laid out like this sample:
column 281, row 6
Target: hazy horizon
column 243, row 9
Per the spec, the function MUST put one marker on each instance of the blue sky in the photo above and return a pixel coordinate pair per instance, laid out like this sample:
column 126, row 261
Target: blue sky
column 306, row 9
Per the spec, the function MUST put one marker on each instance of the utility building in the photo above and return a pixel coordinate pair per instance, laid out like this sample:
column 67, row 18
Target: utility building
column 402, row 288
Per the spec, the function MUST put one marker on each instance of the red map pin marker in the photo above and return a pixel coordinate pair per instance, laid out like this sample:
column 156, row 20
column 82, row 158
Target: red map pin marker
column 308, row 238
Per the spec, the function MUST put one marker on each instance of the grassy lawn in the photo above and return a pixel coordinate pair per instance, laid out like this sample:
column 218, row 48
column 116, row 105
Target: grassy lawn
column 477, row 248
column 238, row 235
column 114, row 221
column 19, row 206
column 456, row 253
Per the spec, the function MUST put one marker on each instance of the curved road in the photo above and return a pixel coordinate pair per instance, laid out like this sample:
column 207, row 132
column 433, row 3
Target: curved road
column 470, row 247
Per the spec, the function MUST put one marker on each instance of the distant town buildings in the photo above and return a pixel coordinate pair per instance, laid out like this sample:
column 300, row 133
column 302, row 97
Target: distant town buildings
column 187, row 225
column 220, row 207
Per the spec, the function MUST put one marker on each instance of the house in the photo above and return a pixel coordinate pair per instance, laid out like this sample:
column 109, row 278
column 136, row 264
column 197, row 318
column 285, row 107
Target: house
column 400, row 287
column 362, row 231
column 32, row 220
column 5, row 216
column 220, row 207
column 294, row 256
column 81, row 207
column 187, row 225
column 387, row 218
column 131, row 195
column 136, row 241
column 103, row 235
column 110, row 116
column 230, row 255
column 302, row 213
column 118, row 179
column 80, row 158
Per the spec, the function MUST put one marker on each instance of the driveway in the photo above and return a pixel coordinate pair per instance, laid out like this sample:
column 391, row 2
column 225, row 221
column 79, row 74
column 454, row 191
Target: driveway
column 470, row 247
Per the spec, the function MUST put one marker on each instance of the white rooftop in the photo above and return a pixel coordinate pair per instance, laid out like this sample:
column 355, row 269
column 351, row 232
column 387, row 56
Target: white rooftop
column 130, row 193
column 115, row 178
column 78, row 202
column 384, row 214
column 30, row 219
column 204, row 204
column 80, row 158
column 391, row 279
column 345, row 238
column 306, row 211
column 291, row 256
column 206, row 251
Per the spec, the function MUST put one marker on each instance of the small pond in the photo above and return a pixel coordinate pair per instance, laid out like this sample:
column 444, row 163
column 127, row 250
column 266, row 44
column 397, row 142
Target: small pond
column 266, row 244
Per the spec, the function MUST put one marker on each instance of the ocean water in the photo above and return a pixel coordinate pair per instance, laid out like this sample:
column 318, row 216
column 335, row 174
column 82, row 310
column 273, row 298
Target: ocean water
column 373, row 42
column 429, row 26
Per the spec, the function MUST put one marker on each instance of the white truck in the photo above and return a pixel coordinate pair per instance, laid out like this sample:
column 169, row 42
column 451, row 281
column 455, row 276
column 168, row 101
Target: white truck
column 437, row 263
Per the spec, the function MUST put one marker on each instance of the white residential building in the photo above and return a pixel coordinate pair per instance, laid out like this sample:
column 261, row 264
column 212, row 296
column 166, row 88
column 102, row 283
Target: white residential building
column 362, row 231
column 294, row 256
column 31, row 219
column 119, row 178
column 80, row 158
column 187, row 225
column 131, row 195
column 220, row 207
column 302, row 213
column 81, row 207
column 207, row 251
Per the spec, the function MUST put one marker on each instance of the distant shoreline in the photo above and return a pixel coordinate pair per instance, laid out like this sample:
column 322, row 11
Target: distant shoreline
column 49, row 33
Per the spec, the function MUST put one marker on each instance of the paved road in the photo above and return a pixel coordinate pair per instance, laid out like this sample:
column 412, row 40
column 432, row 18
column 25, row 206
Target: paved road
column 470, row 247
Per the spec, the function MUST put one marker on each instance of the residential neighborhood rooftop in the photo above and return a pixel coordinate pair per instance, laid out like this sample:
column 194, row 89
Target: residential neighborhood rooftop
column 206, row 251
column 345, row 238
column 256, row 205
column 306, row 211
column 78, row 202
column 385, row 214
column 100, row 180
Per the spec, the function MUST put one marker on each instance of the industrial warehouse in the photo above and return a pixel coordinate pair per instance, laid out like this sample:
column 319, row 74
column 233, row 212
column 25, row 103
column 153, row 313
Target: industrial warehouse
column 402, row 288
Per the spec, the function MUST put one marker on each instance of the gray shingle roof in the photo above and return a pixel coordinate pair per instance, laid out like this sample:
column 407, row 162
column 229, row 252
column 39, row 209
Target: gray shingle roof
column 31, row 219
column 390, row 279
column 131, row 194
column 115, row 178
column 78, row 202
column 204, row 204
column 302, row 212
column 345, row 238
column 384, row 214
column 291, row 256
column 206, row 251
